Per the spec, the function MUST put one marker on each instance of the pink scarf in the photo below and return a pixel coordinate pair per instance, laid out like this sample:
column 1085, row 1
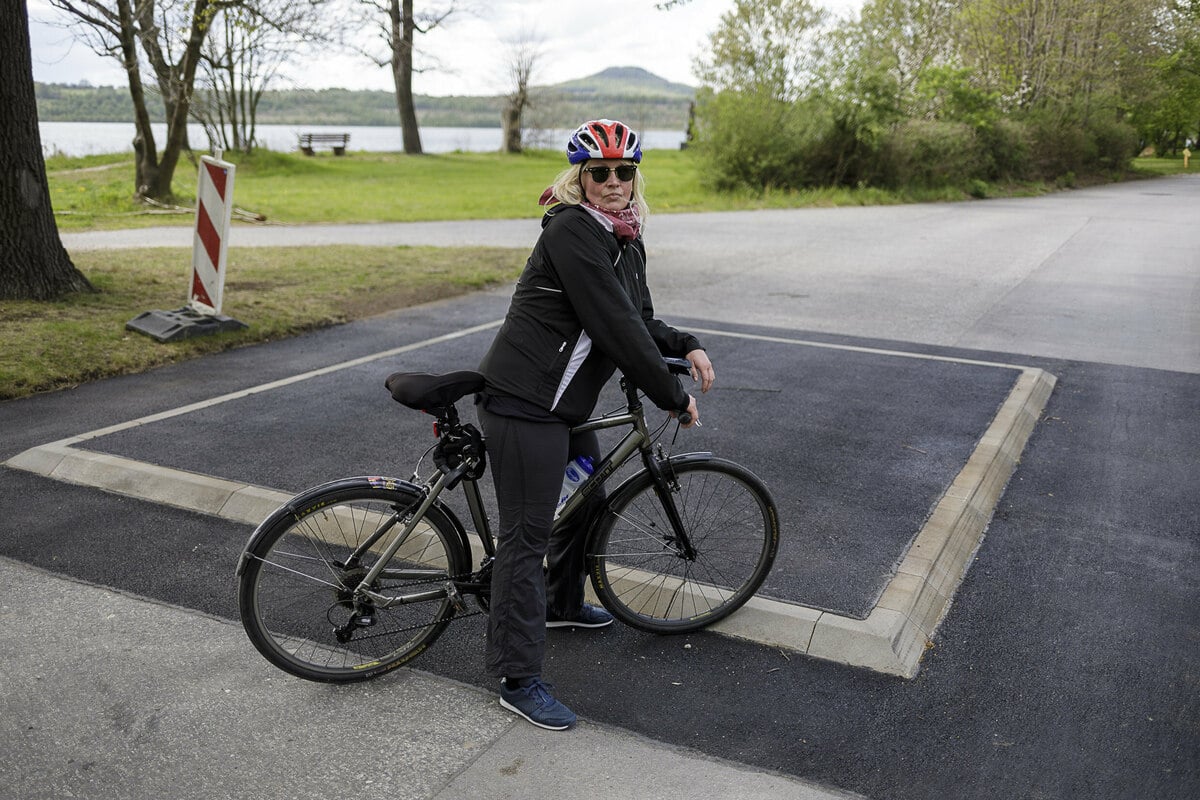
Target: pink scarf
column 625, row 224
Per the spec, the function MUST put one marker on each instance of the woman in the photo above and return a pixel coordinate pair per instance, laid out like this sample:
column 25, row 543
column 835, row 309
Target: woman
column 581, row 310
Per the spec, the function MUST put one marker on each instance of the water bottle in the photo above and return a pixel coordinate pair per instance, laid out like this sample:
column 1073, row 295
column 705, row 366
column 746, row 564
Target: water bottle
column 578, row 470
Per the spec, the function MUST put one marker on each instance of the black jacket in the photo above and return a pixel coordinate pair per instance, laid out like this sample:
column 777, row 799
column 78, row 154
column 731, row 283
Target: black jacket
column 582, row 309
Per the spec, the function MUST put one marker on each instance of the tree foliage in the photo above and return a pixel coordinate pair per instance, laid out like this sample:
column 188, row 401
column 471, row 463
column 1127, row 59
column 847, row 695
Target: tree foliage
column 167, row 35
column 246, row 47
column 993, row 89
column 167, row 40
column 397, row 24
column 753, row 119
column 1167, row 113
column 766, row 48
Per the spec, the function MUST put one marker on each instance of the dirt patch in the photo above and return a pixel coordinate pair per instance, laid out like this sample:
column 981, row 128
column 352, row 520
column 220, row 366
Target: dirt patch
column 396, row 297
column 101, row 168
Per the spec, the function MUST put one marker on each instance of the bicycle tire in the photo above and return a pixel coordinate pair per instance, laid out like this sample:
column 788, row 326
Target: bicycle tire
column 638, row 573
column 294, row 590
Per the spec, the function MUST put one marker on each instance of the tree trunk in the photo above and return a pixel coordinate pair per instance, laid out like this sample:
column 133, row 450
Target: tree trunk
column 178, row 114
column 403, row 30
column 33, row 263
column 175, row 81
column 510, row 122
column 145, row 149
column 521, row 66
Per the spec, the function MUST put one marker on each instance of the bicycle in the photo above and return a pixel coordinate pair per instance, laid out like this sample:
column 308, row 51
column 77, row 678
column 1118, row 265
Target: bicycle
column 353, row 578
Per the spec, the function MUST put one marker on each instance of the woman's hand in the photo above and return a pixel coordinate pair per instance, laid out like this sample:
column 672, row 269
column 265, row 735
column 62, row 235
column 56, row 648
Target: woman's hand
column 692, row 411
column 702, row 369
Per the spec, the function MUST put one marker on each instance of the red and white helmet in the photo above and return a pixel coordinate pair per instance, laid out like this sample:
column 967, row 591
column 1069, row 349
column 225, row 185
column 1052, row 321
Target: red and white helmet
column 603, row 138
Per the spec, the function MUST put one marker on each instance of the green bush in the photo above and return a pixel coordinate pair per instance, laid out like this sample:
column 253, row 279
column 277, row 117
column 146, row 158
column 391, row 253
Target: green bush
column 748, row 140
column 1116, row 143
column 1058, row 147
column 931, row 154
column 1006, row 143
column 1063, row 149
column 840, row 156
column 755, row 141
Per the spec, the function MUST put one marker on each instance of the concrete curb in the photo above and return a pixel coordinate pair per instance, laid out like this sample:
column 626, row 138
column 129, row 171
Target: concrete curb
column 894, row 636
column 891, row 639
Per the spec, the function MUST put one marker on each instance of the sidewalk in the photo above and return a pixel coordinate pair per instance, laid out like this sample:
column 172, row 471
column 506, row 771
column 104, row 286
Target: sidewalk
column 109, row 695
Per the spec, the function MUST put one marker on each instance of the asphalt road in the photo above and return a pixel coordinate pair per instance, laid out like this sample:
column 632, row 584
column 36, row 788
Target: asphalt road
column 1105, row 275
column 1066, row 666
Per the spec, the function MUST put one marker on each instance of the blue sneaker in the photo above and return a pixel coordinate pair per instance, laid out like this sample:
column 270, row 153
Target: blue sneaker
column 535, row 703
column 585, row 617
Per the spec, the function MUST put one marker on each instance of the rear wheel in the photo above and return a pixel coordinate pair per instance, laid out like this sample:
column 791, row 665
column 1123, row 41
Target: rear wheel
column 643, row 574
column 297, row 591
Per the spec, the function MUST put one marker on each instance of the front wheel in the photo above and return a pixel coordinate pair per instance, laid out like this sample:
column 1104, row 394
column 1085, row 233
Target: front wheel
column 299, row 575
column 649, row 579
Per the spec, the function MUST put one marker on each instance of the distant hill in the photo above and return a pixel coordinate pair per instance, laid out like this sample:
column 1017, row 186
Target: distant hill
column 632, row 94
column 627, row 81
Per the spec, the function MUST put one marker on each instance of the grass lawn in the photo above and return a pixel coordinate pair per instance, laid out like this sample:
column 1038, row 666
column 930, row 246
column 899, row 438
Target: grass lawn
column 96, row 193
column 1156, row 167
column 278, row 292
column 46, row 346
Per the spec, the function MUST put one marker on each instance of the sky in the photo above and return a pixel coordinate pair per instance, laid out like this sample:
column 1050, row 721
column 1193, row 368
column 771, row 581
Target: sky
column 472, row 50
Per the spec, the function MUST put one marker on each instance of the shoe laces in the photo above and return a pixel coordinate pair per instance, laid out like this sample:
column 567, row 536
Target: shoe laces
column 539, row 692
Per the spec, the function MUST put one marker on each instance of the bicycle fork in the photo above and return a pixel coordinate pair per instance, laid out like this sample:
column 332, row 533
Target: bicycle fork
column 666, row 486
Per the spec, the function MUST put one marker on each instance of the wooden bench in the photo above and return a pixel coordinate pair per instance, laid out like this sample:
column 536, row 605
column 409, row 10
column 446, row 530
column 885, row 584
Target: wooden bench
column 336, row 141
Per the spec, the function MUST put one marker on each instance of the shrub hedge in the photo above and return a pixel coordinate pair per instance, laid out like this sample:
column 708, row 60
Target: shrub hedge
column 761, row 144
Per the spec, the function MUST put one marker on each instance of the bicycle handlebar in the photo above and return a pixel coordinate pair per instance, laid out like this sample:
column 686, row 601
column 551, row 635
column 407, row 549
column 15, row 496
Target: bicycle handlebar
column 678, row 366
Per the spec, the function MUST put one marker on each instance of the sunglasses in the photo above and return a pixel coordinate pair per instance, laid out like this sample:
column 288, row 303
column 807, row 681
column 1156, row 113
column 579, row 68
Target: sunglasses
column 625, row 172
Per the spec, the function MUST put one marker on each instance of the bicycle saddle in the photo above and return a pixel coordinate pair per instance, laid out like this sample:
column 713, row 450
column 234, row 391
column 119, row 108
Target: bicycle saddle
column 422, row 391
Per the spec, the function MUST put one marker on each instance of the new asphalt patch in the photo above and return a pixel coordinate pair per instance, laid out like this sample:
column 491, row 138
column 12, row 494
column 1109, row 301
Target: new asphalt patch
column 856, row 446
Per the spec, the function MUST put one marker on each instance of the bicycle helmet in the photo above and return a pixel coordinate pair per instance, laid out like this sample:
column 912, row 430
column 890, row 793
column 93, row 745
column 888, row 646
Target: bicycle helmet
column 603, row 138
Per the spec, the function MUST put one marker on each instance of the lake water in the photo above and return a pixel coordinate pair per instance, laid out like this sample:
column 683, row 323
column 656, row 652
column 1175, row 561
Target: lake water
column 92, row 138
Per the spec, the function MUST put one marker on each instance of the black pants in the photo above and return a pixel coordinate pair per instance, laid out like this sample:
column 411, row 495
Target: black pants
column 527, row 463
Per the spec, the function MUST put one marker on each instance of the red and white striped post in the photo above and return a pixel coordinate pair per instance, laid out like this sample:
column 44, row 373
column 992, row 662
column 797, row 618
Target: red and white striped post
column 214, row 210
column 202, row 315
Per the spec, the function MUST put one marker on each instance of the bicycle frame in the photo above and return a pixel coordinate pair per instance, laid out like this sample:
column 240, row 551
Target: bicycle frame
column 637, row 440
column 354, row 577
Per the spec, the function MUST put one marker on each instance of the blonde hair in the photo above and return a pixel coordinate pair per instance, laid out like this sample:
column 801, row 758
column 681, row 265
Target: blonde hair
column 568, row 188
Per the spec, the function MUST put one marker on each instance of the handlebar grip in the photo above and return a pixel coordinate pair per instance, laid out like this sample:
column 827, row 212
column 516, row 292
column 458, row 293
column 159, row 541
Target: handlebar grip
column 684, row 418
column 678, row 366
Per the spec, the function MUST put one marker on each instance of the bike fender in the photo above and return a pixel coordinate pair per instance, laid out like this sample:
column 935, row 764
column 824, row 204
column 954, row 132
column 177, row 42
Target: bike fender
column 302, row 504
column 682, row 458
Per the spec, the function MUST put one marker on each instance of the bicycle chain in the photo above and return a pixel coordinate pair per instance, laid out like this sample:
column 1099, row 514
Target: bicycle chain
column 395, row 631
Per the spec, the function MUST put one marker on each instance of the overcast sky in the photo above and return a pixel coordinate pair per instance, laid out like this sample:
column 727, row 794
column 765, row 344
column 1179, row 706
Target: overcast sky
column 472, row 50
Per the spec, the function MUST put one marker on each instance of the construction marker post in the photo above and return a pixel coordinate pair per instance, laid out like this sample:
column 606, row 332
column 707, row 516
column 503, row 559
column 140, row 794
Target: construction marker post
column 202, row 315
column 214, row 209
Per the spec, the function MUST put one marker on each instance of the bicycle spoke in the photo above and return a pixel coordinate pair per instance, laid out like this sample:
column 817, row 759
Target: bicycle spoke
column 640, row 572
column 300, row 596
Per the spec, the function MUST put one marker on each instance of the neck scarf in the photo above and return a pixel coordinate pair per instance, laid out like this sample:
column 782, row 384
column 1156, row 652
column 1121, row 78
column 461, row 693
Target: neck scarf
column 625, row 224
